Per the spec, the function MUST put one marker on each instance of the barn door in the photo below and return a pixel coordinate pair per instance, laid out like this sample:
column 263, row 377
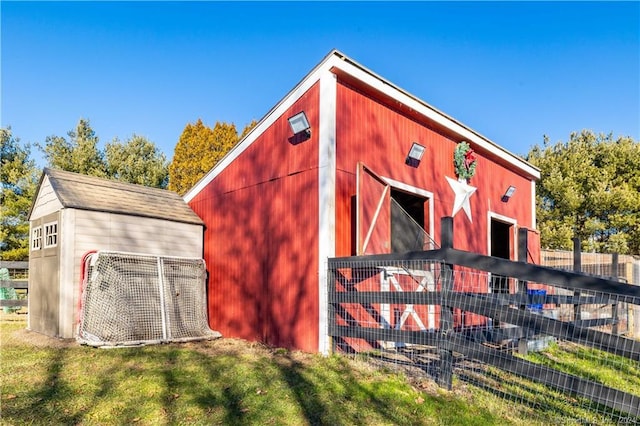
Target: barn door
column 373, row 216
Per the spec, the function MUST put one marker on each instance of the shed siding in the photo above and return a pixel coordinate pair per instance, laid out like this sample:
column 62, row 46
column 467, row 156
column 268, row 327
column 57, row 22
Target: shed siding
column 69, row 277
column 46, row 201
column 261, row 242
column 381, row 136
column 44, row 280
column 109, row 231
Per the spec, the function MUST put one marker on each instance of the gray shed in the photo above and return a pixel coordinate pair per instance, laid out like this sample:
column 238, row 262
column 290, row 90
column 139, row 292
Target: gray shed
column 73, row 214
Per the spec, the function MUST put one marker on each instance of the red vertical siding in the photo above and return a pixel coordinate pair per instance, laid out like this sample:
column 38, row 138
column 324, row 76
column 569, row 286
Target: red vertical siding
column 374, row 212
column 372, row 132
column 533, row 247
column 345, row 214
column 261, row 212
column 261, row 216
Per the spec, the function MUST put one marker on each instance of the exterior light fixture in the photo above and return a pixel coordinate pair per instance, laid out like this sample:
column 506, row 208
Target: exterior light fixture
column 415, row 155
column 509, row 193
column 300, row 124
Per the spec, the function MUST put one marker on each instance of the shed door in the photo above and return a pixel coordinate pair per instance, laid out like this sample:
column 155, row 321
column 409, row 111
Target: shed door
column 373, row 217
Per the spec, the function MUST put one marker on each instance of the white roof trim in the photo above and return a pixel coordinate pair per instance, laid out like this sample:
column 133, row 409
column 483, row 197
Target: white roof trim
column 335, row 59
column 433, row 114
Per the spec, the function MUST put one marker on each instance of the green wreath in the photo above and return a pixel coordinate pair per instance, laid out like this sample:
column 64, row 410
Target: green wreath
column 465, row 161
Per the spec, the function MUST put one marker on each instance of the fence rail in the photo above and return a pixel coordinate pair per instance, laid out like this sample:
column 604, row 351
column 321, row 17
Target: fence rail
column 440, row 313
column 14, row 264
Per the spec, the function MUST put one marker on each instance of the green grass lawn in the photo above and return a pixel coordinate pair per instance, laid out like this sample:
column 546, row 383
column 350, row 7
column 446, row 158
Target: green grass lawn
column 226, row 381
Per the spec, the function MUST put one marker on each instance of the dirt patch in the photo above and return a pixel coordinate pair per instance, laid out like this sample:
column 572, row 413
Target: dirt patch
column 40, row 340
column 247, row 350
column 18, row 334
column 24, row 336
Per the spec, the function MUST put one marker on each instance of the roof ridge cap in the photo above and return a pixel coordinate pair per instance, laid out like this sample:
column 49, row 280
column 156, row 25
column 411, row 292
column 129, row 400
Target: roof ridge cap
column 65, row 175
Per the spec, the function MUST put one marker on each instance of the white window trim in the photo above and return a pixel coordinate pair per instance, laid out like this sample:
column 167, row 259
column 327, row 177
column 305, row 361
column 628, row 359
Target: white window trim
column 47, row 234
column 36, row 238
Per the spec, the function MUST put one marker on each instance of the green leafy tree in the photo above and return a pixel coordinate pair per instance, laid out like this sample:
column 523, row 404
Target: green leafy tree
column 80, row 153
column 198, row 150
column 589, row 189
column 137, row 160
column 19, row 179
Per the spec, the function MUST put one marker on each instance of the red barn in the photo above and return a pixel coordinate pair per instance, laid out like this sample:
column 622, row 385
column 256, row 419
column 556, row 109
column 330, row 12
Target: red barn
column 279, row 204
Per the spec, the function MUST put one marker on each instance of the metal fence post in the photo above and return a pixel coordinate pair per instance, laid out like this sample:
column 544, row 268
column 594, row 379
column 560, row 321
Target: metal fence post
column 614, row 306
column 331, row 309
column 523, row 246
column 445, row 378
column 577, row 267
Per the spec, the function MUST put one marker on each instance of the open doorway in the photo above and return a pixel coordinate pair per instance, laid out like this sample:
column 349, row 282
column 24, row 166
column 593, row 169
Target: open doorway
column 391, row 217
column 407, row 222
column 501, row 245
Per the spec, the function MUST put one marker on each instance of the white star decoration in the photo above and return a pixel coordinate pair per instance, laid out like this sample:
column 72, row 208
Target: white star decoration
column 463, row 192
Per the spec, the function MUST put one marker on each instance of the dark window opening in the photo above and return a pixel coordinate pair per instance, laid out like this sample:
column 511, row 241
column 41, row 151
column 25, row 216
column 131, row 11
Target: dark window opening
column 407, row 222
column 500, row 247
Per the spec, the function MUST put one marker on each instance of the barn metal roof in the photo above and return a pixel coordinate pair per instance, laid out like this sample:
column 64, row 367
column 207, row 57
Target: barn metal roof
column 98, row 194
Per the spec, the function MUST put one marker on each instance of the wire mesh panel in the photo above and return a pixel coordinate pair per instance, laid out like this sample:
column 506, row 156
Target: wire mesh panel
column 560, row 344
column 185, row 304
column 131, row 299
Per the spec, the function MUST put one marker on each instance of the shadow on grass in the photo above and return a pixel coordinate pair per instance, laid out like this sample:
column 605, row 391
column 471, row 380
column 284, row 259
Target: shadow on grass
column 208, row 383
column 334, row 406
column 53, row 395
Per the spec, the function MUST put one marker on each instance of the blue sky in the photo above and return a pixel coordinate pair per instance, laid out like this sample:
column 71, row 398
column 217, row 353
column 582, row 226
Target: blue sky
column 512, row 71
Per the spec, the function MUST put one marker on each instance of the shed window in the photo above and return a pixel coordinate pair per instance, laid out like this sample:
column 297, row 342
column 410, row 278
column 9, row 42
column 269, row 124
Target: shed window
column 36, row 238
column 50, row 234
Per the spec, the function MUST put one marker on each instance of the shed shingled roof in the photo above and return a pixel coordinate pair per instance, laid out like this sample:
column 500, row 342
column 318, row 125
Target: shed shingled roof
column 93, row 193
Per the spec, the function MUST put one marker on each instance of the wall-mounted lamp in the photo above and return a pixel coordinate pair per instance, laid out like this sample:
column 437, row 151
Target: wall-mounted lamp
column 507, row 195
column 300, row 124
column 415, row 155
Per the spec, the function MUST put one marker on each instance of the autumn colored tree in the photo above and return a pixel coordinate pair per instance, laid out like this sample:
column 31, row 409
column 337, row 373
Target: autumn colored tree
column 198, row 150
column 249, row 127
column 18, row 181
column 589, row 189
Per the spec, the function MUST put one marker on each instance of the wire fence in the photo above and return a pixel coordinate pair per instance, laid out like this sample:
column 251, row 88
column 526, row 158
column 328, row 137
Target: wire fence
column 564, row 344
column 625, row 268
